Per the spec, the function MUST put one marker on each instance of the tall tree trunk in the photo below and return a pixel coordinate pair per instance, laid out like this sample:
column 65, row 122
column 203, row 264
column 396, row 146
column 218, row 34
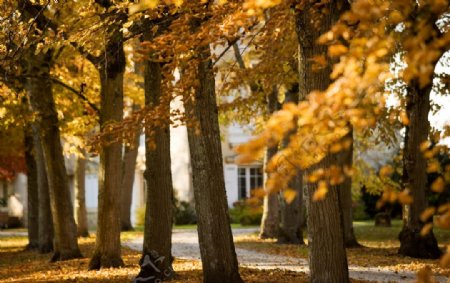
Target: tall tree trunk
column 415, row 175
column 39, row 90
column 80, row 197
column 32, row 191
column 345, row 197
column 45, row 232
column 107, row 245
column 270, row 221
column 129, row 169
column 291, row 231
column 159, row 203
column 216, row 240
column 327, row 255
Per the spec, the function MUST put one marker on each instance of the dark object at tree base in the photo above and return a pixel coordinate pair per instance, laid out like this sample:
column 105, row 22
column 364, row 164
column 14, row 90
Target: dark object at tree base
column 152, row 269
column 414, row 245
column 382, row 219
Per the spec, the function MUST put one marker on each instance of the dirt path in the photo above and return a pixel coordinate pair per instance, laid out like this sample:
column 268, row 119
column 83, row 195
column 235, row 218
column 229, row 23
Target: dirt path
column 185, row 245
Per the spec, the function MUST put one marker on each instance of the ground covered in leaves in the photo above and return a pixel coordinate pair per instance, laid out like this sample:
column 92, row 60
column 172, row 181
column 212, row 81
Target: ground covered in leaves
column 379, row 248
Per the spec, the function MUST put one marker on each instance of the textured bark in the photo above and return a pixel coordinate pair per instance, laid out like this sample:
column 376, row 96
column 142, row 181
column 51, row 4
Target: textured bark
column 45, row 232
column 32, row 191
column 415, row 176
column 159, row 203
column 216, row 241
column 291, row 231
column 327, row 256
column 41, row 98
column 80, row 197
column 270, row 221
column 345, row 197
column 107, row 245
column 129, row 169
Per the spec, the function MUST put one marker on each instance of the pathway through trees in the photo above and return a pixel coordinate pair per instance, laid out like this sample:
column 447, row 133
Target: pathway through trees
column 185, row 246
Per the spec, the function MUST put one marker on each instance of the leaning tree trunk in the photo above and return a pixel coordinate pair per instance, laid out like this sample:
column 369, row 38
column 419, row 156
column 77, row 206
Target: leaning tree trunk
column 216, row 240
column 291, row 231
column 80, row 197
column 46, row 232
column 32, row 191
column 107, row 245
column 159, row 203
column 270, row 221
column 345, row 196
column 129, row 169
column 327, row 256
column 39, row 90
column 415, row 175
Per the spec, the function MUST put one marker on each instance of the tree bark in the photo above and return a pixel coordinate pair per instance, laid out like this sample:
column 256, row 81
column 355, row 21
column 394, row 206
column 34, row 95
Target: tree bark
column 270, row 221
column 415, row 175
column 345, row 197
column 291, row 231
column 215, row 238
column 32, row 191
column 107, row 245
column 129, row 169
column 80, row 197
column 159, row 203
column 46, row 231
column 41, row 98
column 327, row 255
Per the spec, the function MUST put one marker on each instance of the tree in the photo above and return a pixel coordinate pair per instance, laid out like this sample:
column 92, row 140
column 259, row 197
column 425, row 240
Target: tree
column 327, row 256
column 292, row 211
column 46, row 229
column 270, row 221
column 216, row 241
column 419, row 86
column 80, row 197
column 32, row 191
column 159, row 203
column 111, row 66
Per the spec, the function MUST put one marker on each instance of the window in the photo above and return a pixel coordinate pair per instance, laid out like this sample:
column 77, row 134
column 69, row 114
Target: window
column 3, row 194
column 249, row 178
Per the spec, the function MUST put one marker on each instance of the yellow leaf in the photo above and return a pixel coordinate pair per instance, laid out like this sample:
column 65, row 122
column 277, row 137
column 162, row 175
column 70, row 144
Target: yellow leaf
column 426, row 229
column 289, row 195
column 438, row 185
column 404, row 197
column 404, row 118
column 337, row 50
column 386, row 171
column 427, row 213
column 321, row 191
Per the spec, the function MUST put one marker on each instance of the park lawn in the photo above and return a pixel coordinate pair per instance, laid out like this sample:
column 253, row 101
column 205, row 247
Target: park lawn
column 380, row 245
column 17, row 265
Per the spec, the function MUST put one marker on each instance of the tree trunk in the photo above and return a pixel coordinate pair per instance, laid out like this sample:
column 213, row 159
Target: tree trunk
column 46, row 232
column 327, row 255
column 159, row 203
column 41, row 98
column 415, row 175
column 80, row 197
column 129, row 169
column 32, row 191
column 215, row 238
column 291, row 231
column 107, row 245
column 345, row 197
column 270, row 221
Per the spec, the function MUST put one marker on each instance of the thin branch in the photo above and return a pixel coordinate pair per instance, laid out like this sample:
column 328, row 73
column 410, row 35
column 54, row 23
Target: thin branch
column 78, row 93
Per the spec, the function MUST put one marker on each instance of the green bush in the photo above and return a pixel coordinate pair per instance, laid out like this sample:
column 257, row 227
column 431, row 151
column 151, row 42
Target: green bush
column 244, row 214
column 184, row 213
column 359, row 211
column 140, row 216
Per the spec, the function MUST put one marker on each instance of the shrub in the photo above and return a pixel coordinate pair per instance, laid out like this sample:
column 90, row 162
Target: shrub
column 184, row 213
column 244, row 214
